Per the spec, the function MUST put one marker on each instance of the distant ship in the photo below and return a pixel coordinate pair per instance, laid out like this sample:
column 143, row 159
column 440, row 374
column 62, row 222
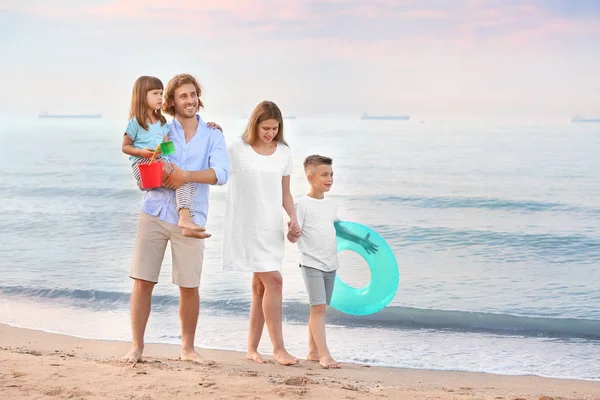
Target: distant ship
column 579, row 118
column 86, row 116
column 386, row 117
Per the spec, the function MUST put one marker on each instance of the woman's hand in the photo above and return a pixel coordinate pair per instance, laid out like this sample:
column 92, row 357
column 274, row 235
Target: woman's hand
column 294, row 231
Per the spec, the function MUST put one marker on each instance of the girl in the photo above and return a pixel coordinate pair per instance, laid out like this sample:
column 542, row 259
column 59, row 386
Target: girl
column 146, row 129
column 253, row 241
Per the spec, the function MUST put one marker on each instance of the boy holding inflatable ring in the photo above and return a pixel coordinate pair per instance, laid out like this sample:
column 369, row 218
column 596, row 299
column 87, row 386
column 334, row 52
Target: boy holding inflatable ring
column 317, row 218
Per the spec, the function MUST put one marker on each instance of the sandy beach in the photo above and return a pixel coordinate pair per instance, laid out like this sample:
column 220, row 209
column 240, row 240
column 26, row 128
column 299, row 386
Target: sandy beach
column 40, row 365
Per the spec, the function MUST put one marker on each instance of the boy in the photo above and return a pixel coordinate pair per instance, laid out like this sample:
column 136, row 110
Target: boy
column 317, row 243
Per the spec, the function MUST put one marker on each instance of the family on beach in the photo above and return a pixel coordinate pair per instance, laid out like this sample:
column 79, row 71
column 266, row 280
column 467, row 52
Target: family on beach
column 257, row 168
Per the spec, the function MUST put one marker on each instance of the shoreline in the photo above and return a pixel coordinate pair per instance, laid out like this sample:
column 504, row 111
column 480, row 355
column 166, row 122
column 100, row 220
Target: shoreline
column 37, row 364
column 367, row 365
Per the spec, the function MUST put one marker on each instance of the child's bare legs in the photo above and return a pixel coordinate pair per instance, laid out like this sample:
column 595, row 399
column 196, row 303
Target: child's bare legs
column 270, row 305
column 317, row 342
column 188, row 227
column 184, row 198
column 313, row 351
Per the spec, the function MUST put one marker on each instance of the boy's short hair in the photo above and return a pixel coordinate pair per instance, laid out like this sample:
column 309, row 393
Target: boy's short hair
column 315, row 160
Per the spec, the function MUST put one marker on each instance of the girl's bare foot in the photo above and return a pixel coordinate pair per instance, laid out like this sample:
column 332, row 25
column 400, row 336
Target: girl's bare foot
column 328, row 362
column 195, row 357
column 186, row 222
column 190, row 225
column 285, row 358
column 133, row 356
column 313, row 356
column 254, row 356
column 195, row 234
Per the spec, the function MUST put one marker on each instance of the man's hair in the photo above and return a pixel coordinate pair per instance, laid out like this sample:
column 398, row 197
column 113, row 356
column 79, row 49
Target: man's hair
column 175, row 83
column 315, row 160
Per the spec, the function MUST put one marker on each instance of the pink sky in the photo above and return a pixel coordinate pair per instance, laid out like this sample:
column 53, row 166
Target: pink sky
column 430, row 57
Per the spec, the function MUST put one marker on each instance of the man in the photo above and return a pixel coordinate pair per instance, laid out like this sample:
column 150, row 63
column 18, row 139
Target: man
column 201, row 157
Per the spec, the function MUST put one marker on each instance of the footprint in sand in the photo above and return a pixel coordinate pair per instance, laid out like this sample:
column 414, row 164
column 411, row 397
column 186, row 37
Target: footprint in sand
column 297, row 381
column 287, row 391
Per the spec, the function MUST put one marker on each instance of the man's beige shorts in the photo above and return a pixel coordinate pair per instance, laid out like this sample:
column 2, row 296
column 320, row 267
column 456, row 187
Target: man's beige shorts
column 150, row 245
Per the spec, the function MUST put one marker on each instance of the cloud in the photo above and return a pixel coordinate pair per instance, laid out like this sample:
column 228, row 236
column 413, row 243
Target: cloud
column 184, row 10
column 436, row 56
column 401, row 33
column 462, row 21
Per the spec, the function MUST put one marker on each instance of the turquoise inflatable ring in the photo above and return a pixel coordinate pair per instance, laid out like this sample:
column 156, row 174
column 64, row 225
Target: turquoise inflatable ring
column 385, row 276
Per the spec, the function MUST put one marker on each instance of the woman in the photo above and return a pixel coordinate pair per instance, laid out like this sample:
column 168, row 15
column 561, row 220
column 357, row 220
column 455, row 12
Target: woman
column 259, row 184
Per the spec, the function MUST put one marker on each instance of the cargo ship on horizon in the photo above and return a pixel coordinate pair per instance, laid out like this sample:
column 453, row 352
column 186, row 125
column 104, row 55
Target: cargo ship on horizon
column 579, row 118
column 78, row 116
column 385, row 117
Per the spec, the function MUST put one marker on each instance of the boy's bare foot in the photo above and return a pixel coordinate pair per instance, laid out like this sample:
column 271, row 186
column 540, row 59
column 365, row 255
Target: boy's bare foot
column 313, row 356
column 195, row 357
column 285, row 358
column 133, row 356
column 328, row 362
column 254, row 356
column 195, row 234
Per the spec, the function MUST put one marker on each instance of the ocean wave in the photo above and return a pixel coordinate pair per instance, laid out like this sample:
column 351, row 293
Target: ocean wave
column 499, row 246
column 72, row 192
column 486, row 203
column 81, row 193
column 390, row 317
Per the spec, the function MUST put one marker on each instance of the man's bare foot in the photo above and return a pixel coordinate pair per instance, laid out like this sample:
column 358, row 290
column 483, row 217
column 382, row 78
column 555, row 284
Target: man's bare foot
column 195, row 357
column 313, row 356
column 328, row 362
column 195, row 234
column 133, row 356
column 285, row 358
column 254, row 356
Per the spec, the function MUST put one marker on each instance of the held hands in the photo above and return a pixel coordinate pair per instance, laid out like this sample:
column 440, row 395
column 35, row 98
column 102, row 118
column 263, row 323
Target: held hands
column 294, row 231
column 214, row 125
column 292, row 239
column 369, row 246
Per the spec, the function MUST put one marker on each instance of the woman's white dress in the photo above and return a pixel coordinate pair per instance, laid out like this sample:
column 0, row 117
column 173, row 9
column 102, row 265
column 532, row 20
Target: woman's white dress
column 253, row 233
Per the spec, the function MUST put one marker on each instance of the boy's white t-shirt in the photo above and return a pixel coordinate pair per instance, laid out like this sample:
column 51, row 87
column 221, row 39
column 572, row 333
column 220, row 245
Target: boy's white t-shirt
column 317, row 243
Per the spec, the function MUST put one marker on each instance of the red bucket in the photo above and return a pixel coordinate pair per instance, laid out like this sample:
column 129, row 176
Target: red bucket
column 151, row 175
